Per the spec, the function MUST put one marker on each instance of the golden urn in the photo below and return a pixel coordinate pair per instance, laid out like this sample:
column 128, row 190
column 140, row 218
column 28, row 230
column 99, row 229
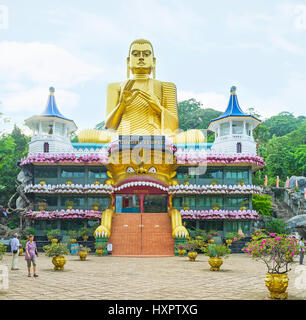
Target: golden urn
column 20, row 252
column 215, row 263
column 181, row 252
column 85, row 238
column 54, row 240
column 229, row 242
column 192, row 255
column 59, row 262
column 73, row 241
column 83, row 255
column 99, row 252
column 277, row 285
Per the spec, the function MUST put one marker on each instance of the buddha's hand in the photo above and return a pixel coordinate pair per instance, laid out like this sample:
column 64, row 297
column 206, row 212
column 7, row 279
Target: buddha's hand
column 180, row 232
column 152, row 100
column 128, row 96
column 101, row 232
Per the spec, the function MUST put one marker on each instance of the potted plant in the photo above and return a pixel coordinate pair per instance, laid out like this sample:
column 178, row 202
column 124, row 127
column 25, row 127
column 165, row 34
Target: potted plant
column 181, row 250
column 95, row 205
column 216, row 206
column 83, row 252
column 192, row 246
column 100, row 247
column 69, row 204
column 230, row 236
column 215, row 252
column 214, row 182
column 241, row 182
column 73, row 234
column 42, row 205
column 23, row 243
column 85, row 233
column 277, row 252
column 53, row 235
column 57, row 251
column 30, row 231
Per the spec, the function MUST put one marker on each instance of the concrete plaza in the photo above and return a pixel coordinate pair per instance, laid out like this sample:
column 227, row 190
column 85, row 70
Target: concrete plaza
column 173, row 278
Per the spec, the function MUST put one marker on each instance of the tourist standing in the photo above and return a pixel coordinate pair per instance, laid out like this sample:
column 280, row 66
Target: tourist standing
column 15, row 251
column 302, row 245
column 31, row 254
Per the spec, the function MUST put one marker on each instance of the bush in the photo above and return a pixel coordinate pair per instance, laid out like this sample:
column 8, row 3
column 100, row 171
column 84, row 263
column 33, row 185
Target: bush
column 2, row 250
column 83, row 248
column 275, row 225
column 30, row 231
column 13, row 222
column 216, row 250
column 56, row 249
column 53, row 234
column 275, row 250
column 192, row 246
column 262, row 204
column 101, row 245
column 73, row 234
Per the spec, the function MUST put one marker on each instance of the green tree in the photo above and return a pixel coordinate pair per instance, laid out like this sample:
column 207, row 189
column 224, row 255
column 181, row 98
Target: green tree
column 262, row 204
column 13, row 147
column 283, row 123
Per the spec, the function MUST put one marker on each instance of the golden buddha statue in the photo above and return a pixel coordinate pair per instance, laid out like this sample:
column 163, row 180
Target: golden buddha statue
column 141, row 105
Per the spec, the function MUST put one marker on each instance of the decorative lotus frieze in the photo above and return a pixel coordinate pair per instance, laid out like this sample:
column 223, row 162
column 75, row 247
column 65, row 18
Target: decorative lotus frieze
column 219, row 214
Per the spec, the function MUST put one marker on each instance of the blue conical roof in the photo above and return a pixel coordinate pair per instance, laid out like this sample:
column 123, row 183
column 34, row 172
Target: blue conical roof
column 51, row 107
column 233, row 108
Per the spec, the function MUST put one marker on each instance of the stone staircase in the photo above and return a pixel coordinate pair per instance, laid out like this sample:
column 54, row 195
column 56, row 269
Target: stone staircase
column 142, row 234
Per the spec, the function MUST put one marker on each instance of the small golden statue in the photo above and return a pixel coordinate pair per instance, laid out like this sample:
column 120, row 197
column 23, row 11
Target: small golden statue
column 141, row 105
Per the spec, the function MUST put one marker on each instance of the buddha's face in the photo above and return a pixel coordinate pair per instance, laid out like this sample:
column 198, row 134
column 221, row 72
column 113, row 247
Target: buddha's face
column 141, row 58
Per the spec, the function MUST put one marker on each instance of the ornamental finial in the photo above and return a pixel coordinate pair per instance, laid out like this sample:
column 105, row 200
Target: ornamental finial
column 51, row 89
column 233, row 90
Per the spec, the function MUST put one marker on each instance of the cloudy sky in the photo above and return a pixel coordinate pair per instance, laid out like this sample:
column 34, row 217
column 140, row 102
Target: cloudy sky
column 204, row 47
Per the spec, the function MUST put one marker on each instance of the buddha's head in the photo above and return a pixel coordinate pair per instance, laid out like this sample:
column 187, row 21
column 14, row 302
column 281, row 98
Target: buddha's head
column 141, row 58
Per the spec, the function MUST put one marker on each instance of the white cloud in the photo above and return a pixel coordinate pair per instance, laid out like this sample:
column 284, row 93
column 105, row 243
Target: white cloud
column 208, row 99
column 300, row 17
column 34, row 100
column 43, row 64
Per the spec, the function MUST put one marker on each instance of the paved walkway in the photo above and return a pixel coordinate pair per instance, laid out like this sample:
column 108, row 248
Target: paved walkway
column 170, row 278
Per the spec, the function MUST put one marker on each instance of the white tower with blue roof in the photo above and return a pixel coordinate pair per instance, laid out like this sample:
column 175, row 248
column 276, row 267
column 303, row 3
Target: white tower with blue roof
column 234, row 130
column 51, row 130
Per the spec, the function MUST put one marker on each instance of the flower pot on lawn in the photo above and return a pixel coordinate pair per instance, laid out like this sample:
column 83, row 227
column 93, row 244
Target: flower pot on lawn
column 277, row 285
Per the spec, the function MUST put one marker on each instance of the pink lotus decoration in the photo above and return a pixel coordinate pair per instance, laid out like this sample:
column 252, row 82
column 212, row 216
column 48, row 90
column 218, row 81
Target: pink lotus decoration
column 189, row 156
column 65, row 158
column 219, row 214
column 65, row 214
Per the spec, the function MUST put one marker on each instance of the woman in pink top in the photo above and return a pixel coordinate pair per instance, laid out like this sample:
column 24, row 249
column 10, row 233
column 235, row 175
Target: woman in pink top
column 31, row 254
